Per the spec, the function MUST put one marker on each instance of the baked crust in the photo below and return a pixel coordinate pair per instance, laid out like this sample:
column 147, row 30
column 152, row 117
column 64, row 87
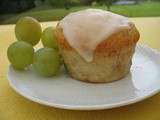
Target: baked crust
column 112, row 57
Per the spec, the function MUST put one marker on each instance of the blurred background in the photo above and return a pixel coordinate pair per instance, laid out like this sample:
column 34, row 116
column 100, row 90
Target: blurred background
column 53, row 10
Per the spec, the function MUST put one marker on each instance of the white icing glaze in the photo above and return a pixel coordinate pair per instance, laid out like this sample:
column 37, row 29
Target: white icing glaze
column 85, row 29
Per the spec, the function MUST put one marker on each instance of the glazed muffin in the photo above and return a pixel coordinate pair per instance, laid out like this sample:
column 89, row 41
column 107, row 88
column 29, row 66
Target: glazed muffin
column 96, row 45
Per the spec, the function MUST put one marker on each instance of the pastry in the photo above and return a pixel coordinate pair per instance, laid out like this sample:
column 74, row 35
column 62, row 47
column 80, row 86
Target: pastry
column 96, row 45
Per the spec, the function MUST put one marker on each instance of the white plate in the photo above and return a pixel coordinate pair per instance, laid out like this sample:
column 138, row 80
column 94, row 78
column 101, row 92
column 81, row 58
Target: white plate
column 64, row 92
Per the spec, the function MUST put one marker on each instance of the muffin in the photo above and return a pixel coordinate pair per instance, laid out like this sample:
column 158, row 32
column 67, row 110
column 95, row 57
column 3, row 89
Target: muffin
column 96, row 45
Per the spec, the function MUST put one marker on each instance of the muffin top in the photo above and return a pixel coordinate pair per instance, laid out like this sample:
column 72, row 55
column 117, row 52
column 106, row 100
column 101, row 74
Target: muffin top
column 85, row 29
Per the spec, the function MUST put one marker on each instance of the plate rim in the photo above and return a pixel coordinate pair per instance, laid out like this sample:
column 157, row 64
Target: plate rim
column 88, row 107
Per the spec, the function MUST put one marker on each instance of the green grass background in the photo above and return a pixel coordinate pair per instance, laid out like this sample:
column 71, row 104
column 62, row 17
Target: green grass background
column 47, row 13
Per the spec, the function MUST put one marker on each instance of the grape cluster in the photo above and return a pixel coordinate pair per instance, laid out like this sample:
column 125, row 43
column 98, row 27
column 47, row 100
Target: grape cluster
column 45, row 61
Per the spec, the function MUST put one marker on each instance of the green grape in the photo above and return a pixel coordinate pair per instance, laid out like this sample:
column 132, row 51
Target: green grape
column 48, row 38
column 46, row 62
column 20, row 54
column 29, row 30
